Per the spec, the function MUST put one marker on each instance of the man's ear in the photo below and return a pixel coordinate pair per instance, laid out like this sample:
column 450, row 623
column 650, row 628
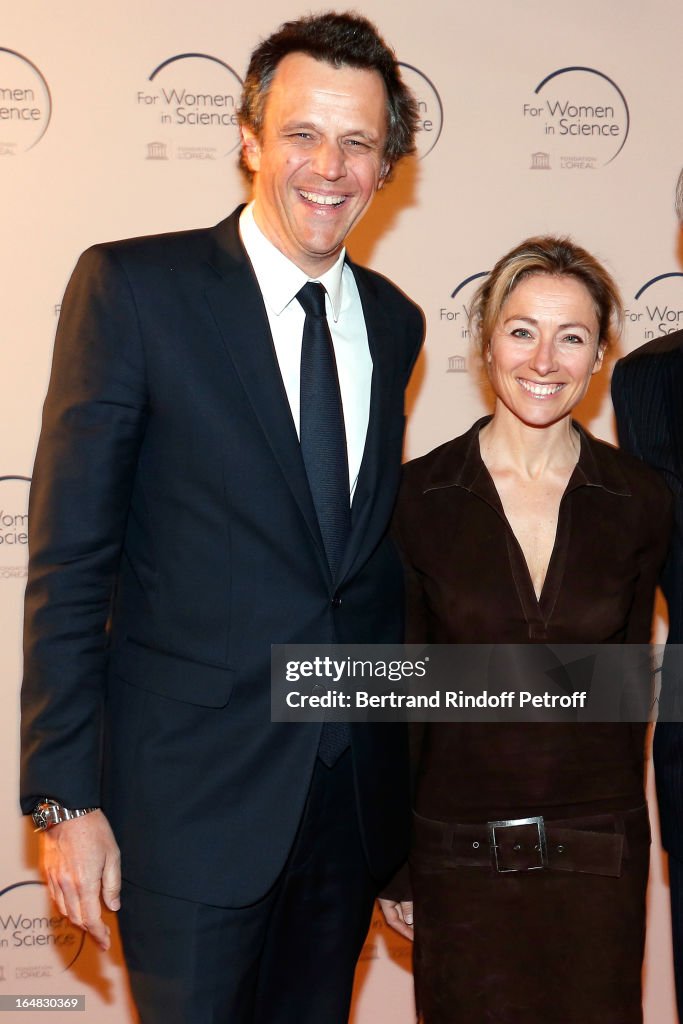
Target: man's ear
column 251, row 147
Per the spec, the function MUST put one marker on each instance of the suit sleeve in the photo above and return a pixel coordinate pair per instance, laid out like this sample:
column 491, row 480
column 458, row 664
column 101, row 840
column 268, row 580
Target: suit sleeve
column 93, row 423
column 636, row 389
column 657, row 528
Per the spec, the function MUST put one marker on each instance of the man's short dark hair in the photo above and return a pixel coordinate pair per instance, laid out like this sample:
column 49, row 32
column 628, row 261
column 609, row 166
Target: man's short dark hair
column 341, row 40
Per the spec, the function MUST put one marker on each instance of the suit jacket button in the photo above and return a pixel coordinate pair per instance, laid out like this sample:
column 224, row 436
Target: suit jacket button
column 336, row 601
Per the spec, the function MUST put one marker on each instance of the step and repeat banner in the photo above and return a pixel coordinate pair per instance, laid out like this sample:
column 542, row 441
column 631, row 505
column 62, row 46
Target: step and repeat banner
column 120, row 119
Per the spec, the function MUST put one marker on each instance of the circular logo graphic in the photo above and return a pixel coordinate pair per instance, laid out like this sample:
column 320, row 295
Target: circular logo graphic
column 656, row 309
column 429, row 105
column 36, row 942
column 13, row 526
column 25, row 103
column 453, row 319
column 189, row 108
column 576, row 119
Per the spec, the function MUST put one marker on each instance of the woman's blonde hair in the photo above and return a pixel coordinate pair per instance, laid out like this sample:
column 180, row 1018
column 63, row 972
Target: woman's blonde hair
column 545, row 254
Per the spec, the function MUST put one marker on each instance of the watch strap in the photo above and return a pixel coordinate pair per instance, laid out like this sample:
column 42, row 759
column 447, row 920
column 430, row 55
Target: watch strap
column 48, row 813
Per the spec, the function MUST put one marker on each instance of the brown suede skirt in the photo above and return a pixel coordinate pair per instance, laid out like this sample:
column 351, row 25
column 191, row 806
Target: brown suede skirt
column 531, row 923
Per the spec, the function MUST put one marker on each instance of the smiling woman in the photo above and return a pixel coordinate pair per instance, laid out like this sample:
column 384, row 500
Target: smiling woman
column 530, row 855
column 544, row 348
column 542, row 321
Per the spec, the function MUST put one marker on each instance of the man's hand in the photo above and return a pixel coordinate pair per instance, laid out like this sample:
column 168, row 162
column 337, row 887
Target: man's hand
column 80, row 859
column 399, row 916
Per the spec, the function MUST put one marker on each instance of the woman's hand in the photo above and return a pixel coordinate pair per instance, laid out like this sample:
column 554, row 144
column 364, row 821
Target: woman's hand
column 399, row 916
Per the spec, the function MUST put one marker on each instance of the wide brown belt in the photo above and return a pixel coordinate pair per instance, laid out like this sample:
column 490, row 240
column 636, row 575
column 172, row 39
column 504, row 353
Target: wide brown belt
column 593, row 845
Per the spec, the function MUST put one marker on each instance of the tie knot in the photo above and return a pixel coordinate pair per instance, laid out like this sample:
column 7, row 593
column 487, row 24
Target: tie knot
column 312, row 299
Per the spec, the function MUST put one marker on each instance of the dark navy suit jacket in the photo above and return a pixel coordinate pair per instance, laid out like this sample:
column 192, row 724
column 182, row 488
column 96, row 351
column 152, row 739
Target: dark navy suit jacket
column 647, row 390
column 173, row 539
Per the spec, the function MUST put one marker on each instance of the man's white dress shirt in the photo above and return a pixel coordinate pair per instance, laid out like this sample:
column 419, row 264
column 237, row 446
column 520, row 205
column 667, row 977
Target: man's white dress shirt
column 279, row 280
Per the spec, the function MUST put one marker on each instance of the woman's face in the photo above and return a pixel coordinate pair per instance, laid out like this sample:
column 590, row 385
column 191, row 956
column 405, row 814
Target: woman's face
column 544, row 348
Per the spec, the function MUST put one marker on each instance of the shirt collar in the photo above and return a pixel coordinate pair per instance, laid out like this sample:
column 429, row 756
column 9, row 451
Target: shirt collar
column 598, row 466
column 279, row 279
column 458, row 463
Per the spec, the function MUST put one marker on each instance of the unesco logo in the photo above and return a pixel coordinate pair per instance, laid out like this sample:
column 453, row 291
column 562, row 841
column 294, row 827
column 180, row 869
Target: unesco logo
column 188, row 109
column 577, row 118
column 453, row 319
column 657, row 308
column 25, row 103
column 37, row 942
column 13, row 526
column 429, row 106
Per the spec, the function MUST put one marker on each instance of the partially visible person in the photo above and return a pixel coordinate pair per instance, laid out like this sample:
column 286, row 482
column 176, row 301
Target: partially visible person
column 218, row 464
column 528, row 530
column 647, row 391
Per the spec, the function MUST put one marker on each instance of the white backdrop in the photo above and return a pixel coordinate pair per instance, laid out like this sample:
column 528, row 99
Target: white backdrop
column 118, row 120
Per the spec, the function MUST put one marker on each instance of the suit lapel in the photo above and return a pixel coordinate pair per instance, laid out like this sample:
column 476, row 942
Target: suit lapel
column 237, row 307
column 362, row 537
column 659, row 392
column 674, row 406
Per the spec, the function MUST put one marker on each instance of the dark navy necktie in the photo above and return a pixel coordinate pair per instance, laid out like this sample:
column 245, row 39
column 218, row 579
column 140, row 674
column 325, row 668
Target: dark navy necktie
column 323, row 438
column 323, row 447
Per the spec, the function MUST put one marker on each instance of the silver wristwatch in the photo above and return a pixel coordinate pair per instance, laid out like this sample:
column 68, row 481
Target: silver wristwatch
column 48, row 813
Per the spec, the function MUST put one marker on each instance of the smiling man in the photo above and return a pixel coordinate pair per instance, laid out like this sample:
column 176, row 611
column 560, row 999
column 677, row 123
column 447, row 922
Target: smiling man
column 318, row 159
column 219, row 459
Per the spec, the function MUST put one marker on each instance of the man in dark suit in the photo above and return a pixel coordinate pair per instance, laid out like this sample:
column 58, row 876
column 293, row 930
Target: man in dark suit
column 219, row 459
column 647, row 390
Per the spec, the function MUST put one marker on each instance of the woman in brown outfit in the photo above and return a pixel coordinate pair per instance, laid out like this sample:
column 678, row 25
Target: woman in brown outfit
column 528, row 530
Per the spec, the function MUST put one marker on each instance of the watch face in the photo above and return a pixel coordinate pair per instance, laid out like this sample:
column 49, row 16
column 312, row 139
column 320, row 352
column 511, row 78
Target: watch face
column 39, row 817
column 41, row 814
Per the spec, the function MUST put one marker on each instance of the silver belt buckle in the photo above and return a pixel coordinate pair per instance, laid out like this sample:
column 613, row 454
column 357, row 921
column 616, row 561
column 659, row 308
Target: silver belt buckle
column 540, row 846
